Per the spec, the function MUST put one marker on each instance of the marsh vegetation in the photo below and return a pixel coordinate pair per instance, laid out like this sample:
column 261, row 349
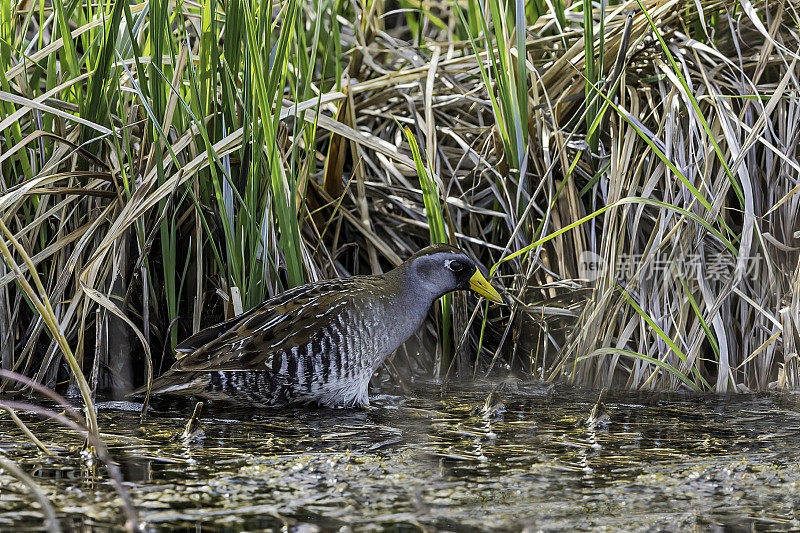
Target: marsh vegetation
column 166, row 166
column 626, row 170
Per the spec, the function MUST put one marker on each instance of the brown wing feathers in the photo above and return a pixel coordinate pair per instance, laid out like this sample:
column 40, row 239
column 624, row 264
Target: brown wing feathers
column 260, row 338
column 207, row 335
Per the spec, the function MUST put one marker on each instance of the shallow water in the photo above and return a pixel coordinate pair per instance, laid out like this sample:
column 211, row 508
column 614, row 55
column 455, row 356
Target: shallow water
column 431, row 461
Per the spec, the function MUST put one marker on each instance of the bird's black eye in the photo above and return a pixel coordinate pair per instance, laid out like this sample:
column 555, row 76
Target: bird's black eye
column 454, row 265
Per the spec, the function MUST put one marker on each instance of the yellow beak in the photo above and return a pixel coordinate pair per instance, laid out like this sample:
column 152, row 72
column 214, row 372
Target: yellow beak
column 479, row 284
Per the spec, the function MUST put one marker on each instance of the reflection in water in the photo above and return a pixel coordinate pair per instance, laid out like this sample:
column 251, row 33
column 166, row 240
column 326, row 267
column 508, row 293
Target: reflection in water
column 528, row 457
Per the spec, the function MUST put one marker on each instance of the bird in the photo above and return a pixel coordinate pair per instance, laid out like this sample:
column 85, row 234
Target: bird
column 319, row 343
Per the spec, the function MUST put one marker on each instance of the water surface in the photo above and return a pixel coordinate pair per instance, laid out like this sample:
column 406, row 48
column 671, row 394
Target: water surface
column 431, row 461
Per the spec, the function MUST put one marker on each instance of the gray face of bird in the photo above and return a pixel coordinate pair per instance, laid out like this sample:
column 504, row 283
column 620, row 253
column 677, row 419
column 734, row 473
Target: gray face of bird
column 438, row 273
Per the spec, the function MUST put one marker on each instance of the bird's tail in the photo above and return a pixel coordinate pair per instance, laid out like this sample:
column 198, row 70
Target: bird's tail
column 181, row 383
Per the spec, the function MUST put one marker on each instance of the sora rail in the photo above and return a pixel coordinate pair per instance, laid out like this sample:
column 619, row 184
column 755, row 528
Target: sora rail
column 319, row 343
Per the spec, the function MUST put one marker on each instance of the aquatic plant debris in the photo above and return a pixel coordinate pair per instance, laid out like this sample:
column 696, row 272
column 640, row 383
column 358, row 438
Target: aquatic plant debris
column 663, row 462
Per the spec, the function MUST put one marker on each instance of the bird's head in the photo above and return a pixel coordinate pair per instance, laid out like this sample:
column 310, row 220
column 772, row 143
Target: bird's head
column 441, row 268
